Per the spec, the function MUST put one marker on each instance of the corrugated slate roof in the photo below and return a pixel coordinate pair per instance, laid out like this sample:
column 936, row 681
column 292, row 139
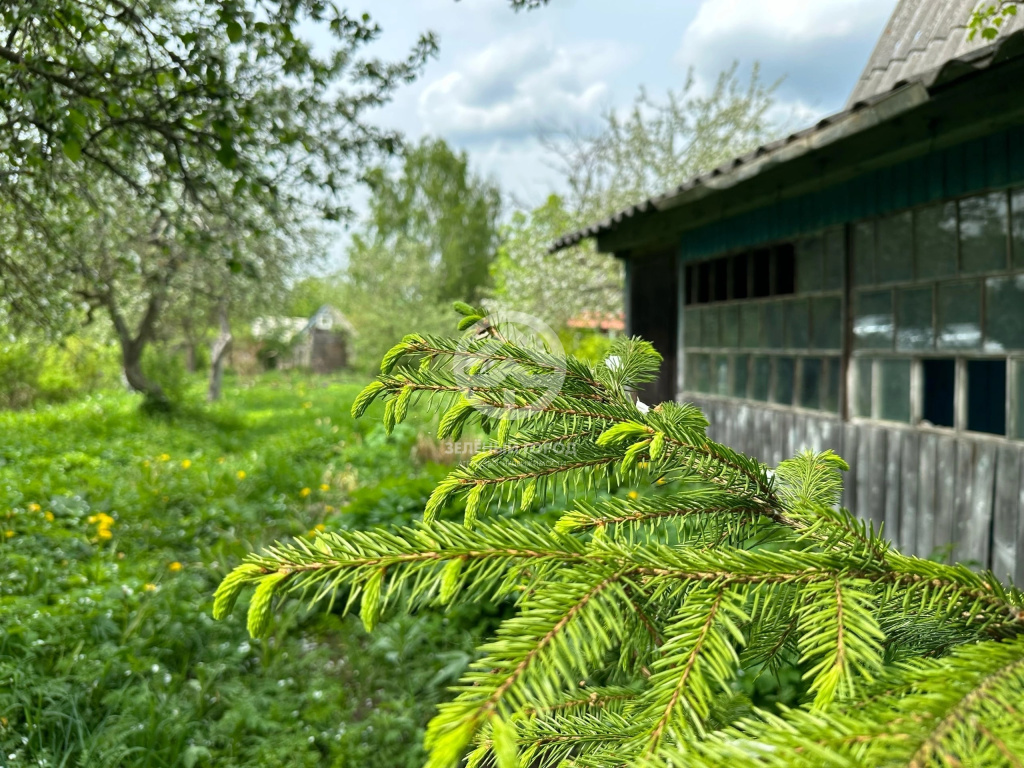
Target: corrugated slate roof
column 920, row 36
column 860, row 114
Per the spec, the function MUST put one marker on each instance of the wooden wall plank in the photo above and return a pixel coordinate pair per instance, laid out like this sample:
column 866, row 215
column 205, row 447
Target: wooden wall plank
column 1018, row 576
column 909, row 471
column 778, row 432
column 892, row 507
column 851, row 434
column 876, row 510
column 927, row 487
column 945, row 494
column 1005, row 512
column 975, row 529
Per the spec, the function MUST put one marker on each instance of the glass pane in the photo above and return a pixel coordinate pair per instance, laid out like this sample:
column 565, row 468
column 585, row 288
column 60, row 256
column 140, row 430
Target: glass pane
column 729, row 326
column 808, row 264
column 784, row 370
column 699, row 373
column 872, row 320
column 895, row 262
column 692, row 327
column 740, row 375
column 774, row 326
column 750, row 325
column 830, row 396
column 914, row 319
column 864, row 253
column 959, row 316
column 709, row 328
column 862, row 405
column 798, row 321
column 810, row 382
column 834, row 269
column 1017, row 208
column 721, row 375
column 826, row 322
column 986, row 396
column 1004, row 313
column 935, row 240
column 894, row 390
column 938, row 379
column 762, row 378
column 983, row 224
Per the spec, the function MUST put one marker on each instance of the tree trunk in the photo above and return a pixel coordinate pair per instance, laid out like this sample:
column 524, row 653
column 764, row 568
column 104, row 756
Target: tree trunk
column 190, row 356
column 218, row 352
column 132, row 348
column 131, row 356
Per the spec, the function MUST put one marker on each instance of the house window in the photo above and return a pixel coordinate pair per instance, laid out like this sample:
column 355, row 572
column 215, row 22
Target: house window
column 986, row 396
column 790, row 345
column 740, row 275
column 938, row 386
column 984, row 222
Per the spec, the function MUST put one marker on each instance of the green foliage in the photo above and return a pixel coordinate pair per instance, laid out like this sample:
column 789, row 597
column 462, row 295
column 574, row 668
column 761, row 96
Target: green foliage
column 166, row 369
column 39, row 372
column 429, row 237
column 108, row 656
column 988, row 18
column 640, row 621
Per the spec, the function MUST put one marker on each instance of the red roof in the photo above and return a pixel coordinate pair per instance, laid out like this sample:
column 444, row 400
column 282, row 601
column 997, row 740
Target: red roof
column 596, row 320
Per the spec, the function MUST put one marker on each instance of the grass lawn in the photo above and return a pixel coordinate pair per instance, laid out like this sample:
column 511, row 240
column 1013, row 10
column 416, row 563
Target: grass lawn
column 116, row 527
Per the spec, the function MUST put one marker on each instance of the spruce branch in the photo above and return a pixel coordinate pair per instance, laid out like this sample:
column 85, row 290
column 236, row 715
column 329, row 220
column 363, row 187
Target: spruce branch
column 637, row 615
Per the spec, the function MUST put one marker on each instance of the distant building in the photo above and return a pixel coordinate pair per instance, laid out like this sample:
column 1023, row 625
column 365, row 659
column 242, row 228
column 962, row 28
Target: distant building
column 608, row 324
column 321, row 343
column 859, row 285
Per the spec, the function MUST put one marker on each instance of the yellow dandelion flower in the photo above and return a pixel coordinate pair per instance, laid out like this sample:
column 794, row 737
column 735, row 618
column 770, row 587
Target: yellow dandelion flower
column 33, row 507
column 329, row 508
column 165, row 457
column 9, row 534
column 48, row 515
column 150, row 587
column 304, row 492
column 324, row 487
column 174, row 567
column 320, row 527
column 633, row 494
column 240, row 474
column 186, row 463
column 104, row 534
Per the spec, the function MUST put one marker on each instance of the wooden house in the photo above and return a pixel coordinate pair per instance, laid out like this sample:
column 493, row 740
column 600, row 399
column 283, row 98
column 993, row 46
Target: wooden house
column 859, row 285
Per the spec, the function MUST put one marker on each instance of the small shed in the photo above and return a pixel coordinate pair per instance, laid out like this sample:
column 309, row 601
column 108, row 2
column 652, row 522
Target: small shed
column 321, row 343
column 859, row 285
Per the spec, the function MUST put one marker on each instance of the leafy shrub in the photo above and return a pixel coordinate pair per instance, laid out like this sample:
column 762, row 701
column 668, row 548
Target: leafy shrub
column 639, row 618
column 33, row 372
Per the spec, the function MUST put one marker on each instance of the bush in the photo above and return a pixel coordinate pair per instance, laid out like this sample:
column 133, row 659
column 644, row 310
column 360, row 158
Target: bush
column 32, row 373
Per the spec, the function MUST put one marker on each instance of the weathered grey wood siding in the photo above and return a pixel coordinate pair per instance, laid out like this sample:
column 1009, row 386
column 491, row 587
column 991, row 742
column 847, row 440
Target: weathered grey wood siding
column 935, row 493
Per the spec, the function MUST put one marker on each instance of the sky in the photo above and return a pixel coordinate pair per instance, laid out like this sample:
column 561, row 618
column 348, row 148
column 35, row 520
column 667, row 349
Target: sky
column 503, row 78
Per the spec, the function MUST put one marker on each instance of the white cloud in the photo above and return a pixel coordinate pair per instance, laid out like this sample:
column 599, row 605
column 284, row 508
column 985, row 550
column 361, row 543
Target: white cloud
column 820, row 48
column 517, row 84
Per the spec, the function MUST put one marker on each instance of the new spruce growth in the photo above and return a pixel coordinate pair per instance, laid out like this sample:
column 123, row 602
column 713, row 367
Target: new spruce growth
column 637, row 614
